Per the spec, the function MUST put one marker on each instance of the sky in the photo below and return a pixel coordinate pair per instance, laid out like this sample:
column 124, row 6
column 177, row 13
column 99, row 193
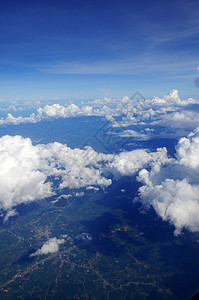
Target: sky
column 92, row 49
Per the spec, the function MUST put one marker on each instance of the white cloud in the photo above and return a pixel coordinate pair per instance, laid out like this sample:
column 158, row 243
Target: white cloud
column 172, row 99
column 58, row 111
column 136, row 135
column 51, row 246
column 174, row 201
column 10, row 213
column 178, row 120
column 76, row 167
column 133, row 111
column 128, row 163
column 171, row 185
column 173, row 188
column 21, row 181
column 26, row 169
column 187, row 150
column 92, row 188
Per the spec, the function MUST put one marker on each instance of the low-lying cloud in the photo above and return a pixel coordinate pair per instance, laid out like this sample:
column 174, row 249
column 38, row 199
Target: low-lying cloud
column 51, row 246
column 132, row 111
column 170, row 185
column 21, row 180
column 173, row 188
column 26, row 169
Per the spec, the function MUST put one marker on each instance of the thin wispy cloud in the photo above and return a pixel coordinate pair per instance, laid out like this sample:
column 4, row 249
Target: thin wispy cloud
column 141, row 65
column 56, row 43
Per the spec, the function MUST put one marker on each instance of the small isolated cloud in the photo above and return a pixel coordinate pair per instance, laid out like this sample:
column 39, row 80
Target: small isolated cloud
column 10, row 213
column 134, row 134
column 173, row 188
column 51, row 246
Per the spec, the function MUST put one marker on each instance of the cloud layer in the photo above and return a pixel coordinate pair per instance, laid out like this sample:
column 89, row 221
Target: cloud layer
column 167, row 111
column 170, row 185
column 26, row 170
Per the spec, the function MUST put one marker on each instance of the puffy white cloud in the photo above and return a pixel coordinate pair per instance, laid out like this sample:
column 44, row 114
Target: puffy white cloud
column 51, row 246
column 174, row 201
column 178, row 120
column 128, row 163
column 58, row 111
column 17, row 120
column 54, row 111
column 21, row 180
column 26, row 169
column 131, row 110
column 172, row 99
column 187, row 150
column 76, row 167
column 173, row 188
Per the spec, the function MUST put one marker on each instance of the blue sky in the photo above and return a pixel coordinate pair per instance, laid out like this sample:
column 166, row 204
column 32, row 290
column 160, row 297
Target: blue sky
column 89, row 49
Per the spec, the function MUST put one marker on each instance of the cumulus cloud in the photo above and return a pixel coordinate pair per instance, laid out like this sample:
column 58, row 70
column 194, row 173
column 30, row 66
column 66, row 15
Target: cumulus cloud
column 26, row 169
column 58, row 111
column 21, row 180
column 132, row 111
column 172, row 99
column 173, row 188
column 76, row 168
column 174, row 201
column 54, row 111
column 128, row 163
column 170, row 185
column 51, row 246
column 175, row 117
column 178, row 120
column 187, row 150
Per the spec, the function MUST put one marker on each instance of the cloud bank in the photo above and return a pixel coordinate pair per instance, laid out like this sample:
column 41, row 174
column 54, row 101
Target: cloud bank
column 26, row 169
column 170, row 185
column 173, row 188
column 133, row 111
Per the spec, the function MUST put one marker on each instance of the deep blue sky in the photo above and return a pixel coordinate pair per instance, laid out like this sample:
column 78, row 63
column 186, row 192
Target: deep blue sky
column 88, row 49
